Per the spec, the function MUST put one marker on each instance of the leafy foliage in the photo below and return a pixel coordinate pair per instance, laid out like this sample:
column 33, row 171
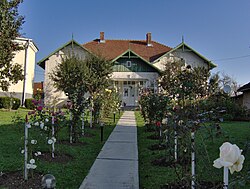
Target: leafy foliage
column 16, row 102
column 78, row 77
column 5, row 102
column 154, row 107
column 9, row 103
column 29, row 104
column 184, row 83
column 10, row 24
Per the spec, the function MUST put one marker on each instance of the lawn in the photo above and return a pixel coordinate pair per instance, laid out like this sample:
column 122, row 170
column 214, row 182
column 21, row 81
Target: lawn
column 68, row 174
column 153, row 177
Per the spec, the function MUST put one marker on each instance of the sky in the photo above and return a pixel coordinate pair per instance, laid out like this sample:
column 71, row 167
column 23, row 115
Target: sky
column 217, row 29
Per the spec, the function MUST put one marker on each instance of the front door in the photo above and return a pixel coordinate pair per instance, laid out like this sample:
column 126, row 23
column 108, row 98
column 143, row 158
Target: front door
column 130, row 94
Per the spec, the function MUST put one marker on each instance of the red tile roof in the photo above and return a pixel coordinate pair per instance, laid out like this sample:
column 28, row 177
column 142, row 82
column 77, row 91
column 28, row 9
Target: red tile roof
column 112, row 49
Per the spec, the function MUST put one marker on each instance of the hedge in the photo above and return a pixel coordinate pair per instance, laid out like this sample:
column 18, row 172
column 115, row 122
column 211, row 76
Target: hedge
column 16, row 102
column 29, row 104
column 6, row 102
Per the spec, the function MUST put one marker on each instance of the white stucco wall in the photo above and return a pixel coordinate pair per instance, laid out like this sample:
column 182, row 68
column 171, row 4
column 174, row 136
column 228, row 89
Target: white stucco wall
column 52, row 95
column 188, row 56
column 246, row 99
column 17, row 89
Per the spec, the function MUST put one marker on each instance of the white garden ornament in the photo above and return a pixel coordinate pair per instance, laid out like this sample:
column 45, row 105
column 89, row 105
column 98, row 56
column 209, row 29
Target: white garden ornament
column 230, row 158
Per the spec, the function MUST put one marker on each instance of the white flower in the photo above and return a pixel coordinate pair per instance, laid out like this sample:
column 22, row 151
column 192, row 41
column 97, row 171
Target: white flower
column 230, row 156
column 237, row 166
column 32, row 161
column 45, row 128
column 33, row 141
column 36, row 123
column 50, row 141
column 39, row 153
column 31, row 166
column 28, row 125
column 41, row 125
column 54, row 139
column 28, row 166
column 22, row 152
column 46, row 120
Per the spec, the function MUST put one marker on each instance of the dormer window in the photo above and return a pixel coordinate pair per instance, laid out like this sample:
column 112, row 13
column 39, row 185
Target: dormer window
column 128, row 64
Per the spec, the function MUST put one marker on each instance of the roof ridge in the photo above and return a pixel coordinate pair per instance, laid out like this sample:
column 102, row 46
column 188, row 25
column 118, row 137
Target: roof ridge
column 163, row 44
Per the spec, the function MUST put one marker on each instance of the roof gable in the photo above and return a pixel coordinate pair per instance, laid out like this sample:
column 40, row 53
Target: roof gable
column 245, row 87
column 183, row 46
column 41, row 63
column 133, row 53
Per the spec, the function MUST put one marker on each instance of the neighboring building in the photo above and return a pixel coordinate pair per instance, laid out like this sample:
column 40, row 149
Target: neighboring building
column 245, row 96
column 38, row 90
column 26, row 58
column 137, row 63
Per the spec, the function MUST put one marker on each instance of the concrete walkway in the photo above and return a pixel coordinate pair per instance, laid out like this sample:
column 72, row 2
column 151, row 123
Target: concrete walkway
column 116, row 166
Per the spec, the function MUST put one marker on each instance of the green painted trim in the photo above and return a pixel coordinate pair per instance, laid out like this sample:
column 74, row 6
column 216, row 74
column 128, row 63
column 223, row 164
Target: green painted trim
column 129, row 51
column 41, row 63
column 212, row 65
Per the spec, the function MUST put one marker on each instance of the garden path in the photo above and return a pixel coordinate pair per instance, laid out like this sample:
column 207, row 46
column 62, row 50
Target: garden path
column 116, row 166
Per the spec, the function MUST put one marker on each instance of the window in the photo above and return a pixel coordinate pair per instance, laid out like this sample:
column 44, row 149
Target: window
column 128, row 63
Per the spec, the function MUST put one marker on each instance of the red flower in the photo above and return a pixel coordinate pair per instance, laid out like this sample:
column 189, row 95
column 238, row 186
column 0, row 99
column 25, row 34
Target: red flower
column 158, row 123
column 39, row 108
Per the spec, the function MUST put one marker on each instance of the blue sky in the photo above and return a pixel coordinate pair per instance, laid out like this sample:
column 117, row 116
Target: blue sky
column 217, row 29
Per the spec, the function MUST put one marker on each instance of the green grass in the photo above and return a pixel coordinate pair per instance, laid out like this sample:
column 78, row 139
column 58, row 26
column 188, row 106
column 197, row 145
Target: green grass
column 152, row 177
column 69, row 175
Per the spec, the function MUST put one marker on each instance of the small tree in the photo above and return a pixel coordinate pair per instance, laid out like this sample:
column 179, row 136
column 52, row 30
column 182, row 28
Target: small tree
column 69, row 76
column 76, row 77
column 10, row 24
column 98, row 79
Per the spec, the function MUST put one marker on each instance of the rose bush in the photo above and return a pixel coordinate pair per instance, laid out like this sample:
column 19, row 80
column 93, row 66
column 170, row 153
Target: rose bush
column 230, row 156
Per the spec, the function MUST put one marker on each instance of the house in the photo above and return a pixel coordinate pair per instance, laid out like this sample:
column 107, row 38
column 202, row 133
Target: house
column 137, row 63
column 26, row 58
column 245, row 96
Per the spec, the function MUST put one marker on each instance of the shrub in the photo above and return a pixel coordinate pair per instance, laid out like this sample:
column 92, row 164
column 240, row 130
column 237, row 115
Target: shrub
column 5, row 102
column 15, row 103
column 29, row 104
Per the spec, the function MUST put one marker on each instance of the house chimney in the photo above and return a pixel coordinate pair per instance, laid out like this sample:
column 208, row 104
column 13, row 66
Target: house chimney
column 102, row 40
column 148, row 39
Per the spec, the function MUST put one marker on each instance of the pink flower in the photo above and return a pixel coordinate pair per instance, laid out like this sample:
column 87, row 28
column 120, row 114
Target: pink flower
column 39, row 108
column 35, row 102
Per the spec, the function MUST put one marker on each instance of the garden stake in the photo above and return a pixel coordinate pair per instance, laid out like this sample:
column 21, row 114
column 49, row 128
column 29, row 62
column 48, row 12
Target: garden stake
column 175, row 142
column 114, row 117
column 26, row 148
column 53, row 136
column 70, row 133
column 192, row 160
column 90, row 121
column 101, row 131
column 83, row 123
column 225, row 178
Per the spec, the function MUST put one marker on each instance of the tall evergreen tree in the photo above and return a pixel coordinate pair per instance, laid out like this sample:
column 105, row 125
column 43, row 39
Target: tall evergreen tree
column 10, row 25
